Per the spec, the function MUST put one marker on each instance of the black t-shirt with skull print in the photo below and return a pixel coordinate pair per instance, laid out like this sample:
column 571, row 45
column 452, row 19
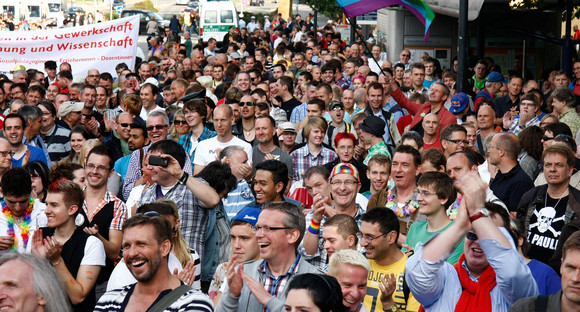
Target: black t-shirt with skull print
column 545, row 228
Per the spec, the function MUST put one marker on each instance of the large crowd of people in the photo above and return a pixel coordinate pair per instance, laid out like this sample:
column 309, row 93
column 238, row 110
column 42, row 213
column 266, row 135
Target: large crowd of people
column 288, row 171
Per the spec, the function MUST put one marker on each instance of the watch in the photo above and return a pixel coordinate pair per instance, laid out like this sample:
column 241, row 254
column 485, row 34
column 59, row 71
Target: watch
column 483, row 212
column 392, row 308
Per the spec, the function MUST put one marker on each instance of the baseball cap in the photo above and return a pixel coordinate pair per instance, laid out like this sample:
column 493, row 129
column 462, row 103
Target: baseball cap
column 459, row 102
column 496, row 77
column 288, row 126
column 69, row 107
column 249, row 215
column 235, row 55
column 334, row 104
column 344, row 168
column 18, row 67
column 152, row 81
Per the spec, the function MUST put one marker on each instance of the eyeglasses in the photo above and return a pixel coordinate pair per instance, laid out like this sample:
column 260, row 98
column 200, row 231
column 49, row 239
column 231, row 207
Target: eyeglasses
column 425, row 193
column 337, row 108
column 348, row 183
column 6, row 154
column 471, row 236
column 92, row 167
column 158, row 127
column 367, row 237
column 268, row 229
column 464, row 142
column 125, row 125
column 242, row 104
column 180, row 122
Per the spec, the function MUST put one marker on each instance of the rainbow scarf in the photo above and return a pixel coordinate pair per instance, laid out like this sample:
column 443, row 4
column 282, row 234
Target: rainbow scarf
column 419, row 8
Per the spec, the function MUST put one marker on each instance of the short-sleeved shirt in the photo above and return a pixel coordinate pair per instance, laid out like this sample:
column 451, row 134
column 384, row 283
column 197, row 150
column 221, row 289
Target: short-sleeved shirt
column 418, row 234
column 208, row 150
column 35, row 154
column 278, row 153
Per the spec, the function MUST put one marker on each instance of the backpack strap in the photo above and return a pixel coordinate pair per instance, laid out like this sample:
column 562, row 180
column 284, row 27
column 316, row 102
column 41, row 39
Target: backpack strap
column 541, row 304
column 170, row 298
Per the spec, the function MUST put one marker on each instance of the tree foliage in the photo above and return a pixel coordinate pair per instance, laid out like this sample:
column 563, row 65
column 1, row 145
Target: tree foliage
column 145, row 5
column 325, row 7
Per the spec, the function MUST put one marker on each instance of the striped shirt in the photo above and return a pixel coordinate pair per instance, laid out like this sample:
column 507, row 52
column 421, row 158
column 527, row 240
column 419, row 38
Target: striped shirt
column 117, row 300
column 238, row 198
column 58, row 143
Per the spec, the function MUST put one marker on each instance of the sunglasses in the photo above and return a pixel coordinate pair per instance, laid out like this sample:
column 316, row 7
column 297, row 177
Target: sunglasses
column 180, row 122
column 471, row 236
column 242, row 104
column 158, row 127
column 125, row 125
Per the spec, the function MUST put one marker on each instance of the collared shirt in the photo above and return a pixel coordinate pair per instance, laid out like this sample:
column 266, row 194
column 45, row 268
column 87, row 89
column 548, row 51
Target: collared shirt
column 37, row 141
column 320, row 258
column 119, row 210
column 423, row 91
column 303, row 159
column 515, row 127
column 379, row 148
column 193, row 216
column 275, row 285
column 391, row 103
column 437, row 287
column 299, row 112
column 190, row 145
column 572, row 119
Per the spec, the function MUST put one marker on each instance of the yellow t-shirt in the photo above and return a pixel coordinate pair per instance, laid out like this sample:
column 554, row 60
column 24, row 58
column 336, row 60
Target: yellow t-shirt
column 372, row 300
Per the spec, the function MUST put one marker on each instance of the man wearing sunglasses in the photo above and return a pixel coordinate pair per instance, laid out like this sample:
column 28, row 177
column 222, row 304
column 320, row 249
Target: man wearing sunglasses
column 118, row 141
column 490, row 275
column 511, row 181
column 260, row 284
column 453, row 139
column 246, row 125
column 545, row 209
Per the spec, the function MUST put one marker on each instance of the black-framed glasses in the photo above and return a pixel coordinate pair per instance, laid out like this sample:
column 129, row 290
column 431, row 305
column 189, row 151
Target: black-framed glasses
column 125, row 125
column 268, row 229
column 367, row 237
column 242, row 104
column 101, row 168
column 465, row 142
column 157, row 127
column 180, row 122
column 6, row 154
column 472, row 236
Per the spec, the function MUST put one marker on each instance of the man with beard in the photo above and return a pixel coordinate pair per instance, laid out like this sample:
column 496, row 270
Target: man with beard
column 245, row 127
column 266, row 149
column 146, row 245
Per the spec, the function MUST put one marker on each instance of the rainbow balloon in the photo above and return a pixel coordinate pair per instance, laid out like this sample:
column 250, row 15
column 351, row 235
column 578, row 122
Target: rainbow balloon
column 419, row 8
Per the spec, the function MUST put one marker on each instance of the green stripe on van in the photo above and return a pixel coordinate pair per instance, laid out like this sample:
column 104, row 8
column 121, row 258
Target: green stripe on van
column 216, row 28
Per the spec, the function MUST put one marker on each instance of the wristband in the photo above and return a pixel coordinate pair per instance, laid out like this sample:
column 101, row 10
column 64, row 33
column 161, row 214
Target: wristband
column 314, row 227
column 55, row 264
column 184, row 177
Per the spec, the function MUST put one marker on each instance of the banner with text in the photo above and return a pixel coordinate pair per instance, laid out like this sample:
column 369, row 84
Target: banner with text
column 100, row 46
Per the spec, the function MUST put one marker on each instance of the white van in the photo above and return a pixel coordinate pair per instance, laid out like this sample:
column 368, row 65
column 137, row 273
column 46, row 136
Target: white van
column 216, row 18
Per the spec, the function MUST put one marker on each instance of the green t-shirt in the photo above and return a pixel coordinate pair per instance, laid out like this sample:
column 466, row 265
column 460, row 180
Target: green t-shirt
column 418, row 234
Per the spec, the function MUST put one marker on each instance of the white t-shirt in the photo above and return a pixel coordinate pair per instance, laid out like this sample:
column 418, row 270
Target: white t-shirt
column 208, row 150
column 94, row 252
column 38, row 219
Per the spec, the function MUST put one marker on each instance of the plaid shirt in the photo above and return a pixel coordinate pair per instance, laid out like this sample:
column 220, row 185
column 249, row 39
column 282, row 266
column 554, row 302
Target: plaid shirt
column 193, row 216
column 303, row 160
column 134, row 169
column 343, row 83
column 320, row 258
column 119, row 214
column 298, row 113
column 275, row 285
column 515, row 128
column 185, row 141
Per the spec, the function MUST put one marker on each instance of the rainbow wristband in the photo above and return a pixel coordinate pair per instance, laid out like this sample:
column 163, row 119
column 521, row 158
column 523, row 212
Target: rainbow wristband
column 314, row 227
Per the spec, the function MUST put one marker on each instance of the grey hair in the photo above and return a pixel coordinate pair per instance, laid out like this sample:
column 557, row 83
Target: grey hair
column 45, row 281
column 487, row 142
column 30, row 112
column 19, row 72
column 159, row 113
column 294, row 217
column 17, row 101
column 229, row 151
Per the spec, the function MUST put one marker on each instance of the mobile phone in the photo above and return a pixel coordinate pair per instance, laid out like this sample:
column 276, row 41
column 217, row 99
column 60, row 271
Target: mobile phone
column 158, row 161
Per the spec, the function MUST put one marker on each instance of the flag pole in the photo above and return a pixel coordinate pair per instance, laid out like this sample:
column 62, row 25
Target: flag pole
column 350, row 20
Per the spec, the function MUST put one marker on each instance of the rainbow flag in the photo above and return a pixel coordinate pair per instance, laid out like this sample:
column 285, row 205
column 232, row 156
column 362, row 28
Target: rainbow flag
column 419, row 8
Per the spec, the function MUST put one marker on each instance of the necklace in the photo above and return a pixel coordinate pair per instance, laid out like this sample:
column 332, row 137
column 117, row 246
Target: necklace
column 556, row 205
column 24, row 224
column 408, row 209
column 248, row 130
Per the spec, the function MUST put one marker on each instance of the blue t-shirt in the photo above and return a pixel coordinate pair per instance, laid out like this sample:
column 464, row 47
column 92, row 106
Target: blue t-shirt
column 35, row 154
column 547, row 279
column 121, row 166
